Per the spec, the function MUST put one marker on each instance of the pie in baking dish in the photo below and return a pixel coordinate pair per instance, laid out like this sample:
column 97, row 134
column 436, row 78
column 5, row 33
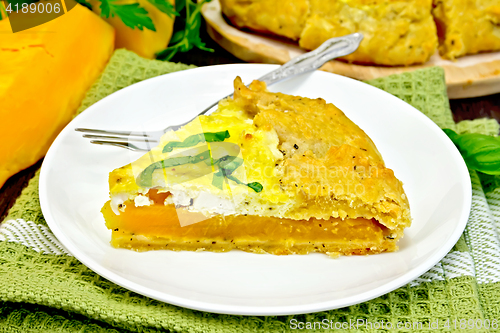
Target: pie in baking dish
column 265, row 173
column 396, row 32
column 467, row 27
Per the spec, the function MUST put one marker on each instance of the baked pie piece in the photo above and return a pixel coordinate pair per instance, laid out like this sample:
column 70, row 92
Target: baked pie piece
column 265, row 173
column 283, row 18
column 467, row 27
column 396, row 32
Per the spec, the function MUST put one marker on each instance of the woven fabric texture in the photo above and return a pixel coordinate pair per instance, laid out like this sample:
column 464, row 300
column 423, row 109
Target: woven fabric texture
column 43, row 289
column 482, row 125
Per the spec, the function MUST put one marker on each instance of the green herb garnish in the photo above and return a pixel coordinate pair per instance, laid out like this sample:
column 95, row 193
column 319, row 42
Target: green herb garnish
column 193, row 140
column 145, row 179
column 132, row 15
column 225, row 165
column 489, row 182
column 165, row 7
column 184, row 40
column 3, row 12
column 135, row 16
column 480, row 152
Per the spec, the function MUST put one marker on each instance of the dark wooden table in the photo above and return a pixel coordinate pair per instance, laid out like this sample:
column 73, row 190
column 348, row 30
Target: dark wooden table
column 471, row 108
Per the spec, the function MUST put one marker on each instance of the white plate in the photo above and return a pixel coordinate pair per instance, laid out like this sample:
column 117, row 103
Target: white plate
column 74, row 187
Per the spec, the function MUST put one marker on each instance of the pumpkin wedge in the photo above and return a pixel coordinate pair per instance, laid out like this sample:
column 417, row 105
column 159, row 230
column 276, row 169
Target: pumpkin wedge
column 145, row 42
column 45, row 72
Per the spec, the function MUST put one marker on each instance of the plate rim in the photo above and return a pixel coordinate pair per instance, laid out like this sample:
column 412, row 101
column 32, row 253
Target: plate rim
column 248, row 310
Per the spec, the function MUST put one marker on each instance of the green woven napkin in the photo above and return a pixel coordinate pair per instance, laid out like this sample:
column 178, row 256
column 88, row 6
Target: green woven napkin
column 44, row 289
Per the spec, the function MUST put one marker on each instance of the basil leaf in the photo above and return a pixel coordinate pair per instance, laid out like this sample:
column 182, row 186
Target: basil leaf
column 194, row 139
column 257, row 187
column 226, row 165
column 218, row 179
column 480, row 152
column 489, row 182
column 145, row 178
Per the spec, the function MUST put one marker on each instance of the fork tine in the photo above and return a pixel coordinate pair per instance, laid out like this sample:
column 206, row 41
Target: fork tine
column 137, row 139
column 126, row 145
column 98, row 131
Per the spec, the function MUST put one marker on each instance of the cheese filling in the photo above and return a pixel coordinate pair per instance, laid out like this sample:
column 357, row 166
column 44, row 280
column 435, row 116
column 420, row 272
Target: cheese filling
column 269, row 164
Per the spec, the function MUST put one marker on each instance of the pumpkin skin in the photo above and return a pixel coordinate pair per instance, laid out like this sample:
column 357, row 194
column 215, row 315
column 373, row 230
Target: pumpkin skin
column 46, row 71
column 145, row 43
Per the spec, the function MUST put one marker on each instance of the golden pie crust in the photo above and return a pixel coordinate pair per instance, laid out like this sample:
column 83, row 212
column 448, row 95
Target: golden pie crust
column 340, row 196
column 467, row 27
column 396, row 32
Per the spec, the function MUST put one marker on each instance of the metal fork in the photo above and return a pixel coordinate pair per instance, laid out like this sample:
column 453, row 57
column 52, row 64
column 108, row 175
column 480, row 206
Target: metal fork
column 307, row 62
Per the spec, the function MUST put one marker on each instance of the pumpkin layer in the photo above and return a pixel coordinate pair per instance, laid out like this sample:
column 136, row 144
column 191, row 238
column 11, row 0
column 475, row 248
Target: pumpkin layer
column 157, row 227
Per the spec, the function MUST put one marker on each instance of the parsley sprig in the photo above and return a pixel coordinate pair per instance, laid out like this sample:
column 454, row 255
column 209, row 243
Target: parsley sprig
column 165, row 7
column 135, row 16
column 132, row 15
column 185, row 40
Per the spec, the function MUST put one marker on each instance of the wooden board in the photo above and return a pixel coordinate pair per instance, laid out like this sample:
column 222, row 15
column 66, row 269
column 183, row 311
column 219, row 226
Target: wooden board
column 469, row 76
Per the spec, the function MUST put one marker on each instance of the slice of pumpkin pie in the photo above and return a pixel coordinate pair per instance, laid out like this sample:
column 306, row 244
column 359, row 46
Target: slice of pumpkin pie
column 265, row 173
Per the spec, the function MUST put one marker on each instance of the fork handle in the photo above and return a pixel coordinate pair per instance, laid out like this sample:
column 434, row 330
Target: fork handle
column 308, row 62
